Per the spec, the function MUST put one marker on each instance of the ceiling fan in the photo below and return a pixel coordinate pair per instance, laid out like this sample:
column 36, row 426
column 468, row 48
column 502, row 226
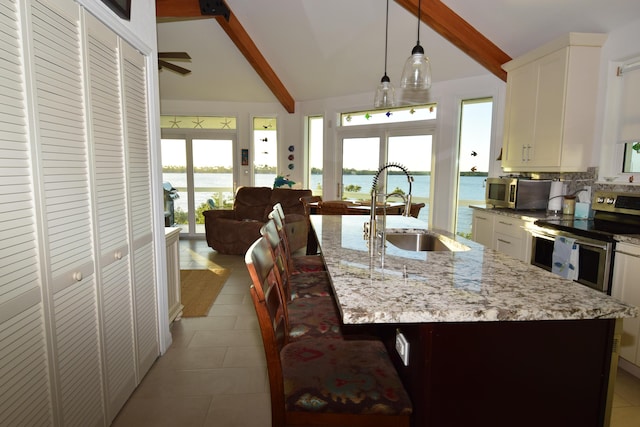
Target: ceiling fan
column 173, row 56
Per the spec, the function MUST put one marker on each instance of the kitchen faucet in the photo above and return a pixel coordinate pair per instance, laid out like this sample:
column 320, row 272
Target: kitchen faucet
column 370, row 228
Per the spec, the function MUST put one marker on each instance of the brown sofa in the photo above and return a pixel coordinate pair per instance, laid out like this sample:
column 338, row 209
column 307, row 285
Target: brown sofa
column 233, row 231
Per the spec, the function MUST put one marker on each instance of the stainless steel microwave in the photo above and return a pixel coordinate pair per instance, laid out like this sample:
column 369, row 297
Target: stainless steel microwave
column 518, row 193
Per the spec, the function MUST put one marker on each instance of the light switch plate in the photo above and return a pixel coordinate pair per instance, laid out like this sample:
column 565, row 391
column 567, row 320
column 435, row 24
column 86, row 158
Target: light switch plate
column 402, row 347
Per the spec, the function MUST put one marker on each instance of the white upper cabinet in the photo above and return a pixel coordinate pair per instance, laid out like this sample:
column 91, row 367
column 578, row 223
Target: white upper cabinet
column 551, row 106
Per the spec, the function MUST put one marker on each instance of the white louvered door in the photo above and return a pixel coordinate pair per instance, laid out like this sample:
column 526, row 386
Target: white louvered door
column 110, row 212
column 25, row 394
column 66, row 208
column 139, row 206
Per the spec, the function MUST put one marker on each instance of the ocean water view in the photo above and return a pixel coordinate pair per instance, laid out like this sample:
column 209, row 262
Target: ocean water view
column 218, row 187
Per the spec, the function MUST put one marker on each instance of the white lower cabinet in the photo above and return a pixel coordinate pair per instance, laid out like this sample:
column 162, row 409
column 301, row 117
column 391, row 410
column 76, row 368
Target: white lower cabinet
column 504, row 233
column 626, row 287
column 482, row 228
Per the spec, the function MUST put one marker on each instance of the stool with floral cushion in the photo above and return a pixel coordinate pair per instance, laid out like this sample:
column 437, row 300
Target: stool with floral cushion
column 300, row 285
column 310, row 307
column 320, row 381
column 297, row 263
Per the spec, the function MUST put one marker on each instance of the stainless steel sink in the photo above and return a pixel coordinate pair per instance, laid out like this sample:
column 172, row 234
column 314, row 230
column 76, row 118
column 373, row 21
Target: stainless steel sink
column 424, row 242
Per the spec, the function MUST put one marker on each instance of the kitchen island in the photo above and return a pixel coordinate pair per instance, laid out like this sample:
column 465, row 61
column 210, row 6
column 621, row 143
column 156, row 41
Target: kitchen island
column 491, row 340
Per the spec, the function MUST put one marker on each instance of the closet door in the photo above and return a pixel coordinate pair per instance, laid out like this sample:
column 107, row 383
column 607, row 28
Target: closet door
column 139, row 192
column 25, row 393
column 110, row 212
column 63, row 163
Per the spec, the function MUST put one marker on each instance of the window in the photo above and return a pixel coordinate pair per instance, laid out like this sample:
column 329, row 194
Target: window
column 629, row 133
column 265, row 149
column 201, row 169
column 391, row 115
column 385, row 138
column 474, row 159
column 315, row 141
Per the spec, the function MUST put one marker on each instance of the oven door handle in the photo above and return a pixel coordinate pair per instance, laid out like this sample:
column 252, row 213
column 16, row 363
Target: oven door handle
column 578, row 241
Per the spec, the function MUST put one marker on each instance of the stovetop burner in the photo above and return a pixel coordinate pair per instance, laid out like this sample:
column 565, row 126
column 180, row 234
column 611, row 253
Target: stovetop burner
column 615, row 213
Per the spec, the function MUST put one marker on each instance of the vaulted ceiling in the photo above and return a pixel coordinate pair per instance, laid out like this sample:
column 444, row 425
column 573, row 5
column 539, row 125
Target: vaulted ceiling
column 287, row 51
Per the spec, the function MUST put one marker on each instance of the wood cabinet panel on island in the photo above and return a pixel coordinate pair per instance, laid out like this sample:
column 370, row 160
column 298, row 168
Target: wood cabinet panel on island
column 551, row 105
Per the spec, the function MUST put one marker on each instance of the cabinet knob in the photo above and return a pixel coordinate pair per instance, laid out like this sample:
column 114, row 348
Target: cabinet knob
column 77, row 276
column 117, row 255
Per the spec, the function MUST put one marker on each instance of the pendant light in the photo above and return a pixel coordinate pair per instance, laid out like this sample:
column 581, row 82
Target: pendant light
column 385, row 93
column 417, row 70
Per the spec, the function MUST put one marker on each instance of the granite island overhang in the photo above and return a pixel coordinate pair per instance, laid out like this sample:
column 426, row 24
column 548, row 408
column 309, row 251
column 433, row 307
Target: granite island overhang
column 474, row 285
column 491, row 340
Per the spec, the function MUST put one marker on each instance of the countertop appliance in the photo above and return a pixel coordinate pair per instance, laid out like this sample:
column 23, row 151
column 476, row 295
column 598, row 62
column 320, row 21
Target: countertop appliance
column 615, row 213
column 518, row 193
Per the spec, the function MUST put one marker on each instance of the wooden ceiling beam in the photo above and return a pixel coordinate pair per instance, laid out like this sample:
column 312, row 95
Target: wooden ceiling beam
column 178, row 9
column 452, row 27
column 190, row 9
column 242, row 40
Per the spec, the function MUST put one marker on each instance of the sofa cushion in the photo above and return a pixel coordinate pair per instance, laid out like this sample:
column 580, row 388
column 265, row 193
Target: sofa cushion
column 250, row 203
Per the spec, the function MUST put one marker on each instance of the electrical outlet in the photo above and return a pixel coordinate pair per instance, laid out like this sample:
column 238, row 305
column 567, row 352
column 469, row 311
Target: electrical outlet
column 402, row 347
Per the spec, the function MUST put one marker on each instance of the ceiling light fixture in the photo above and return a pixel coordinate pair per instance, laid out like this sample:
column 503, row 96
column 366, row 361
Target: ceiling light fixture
column 385, row 93
column 417, row 70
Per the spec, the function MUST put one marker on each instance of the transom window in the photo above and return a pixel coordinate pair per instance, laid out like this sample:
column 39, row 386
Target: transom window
column 391, row 115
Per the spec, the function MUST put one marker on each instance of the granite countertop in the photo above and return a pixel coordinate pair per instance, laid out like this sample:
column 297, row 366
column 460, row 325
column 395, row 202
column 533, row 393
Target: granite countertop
column 478, row 284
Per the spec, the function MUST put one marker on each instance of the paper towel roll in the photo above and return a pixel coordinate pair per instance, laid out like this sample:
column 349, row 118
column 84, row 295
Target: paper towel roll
column 555, row 196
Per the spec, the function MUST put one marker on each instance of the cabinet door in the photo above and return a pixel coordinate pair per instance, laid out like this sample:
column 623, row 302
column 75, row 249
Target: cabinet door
column 520, row 118
column 549, row 110
column 140, row 209
column 110, row 213
column 626, row 287
column 482, row 228
column 25, row 390
column 66, row 210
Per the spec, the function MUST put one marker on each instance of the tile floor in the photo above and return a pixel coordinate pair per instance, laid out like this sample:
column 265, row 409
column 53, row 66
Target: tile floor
column 214, row 374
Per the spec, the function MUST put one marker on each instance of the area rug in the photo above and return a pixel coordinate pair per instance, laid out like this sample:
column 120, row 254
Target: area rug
column 199, row 289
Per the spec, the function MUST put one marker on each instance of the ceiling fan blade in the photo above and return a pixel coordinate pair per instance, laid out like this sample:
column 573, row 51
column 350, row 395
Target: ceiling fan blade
column 173, row 67
column 174, row 55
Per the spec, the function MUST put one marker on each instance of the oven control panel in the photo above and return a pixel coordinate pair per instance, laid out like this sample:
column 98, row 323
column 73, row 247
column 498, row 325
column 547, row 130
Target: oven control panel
column 617, row 202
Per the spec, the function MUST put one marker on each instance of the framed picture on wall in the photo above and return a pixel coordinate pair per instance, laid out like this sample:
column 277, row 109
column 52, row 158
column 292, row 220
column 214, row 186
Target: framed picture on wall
column 245, row 157
column 121, row 7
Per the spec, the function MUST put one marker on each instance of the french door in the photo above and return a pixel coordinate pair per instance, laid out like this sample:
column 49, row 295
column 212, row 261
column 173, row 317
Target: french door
column 201, row 169
column 364, row 152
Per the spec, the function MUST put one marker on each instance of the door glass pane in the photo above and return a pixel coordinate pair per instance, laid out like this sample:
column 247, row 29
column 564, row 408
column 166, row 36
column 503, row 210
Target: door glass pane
column 475, row 150
column 413, row 152
column 360, row 161
column 212, row 176
column 316, row 130
column 174, row 174
column 265, row 148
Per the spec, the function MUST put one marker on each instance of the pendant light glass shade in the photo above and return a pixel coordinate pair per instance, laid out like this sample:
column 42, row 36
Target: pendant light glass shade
column 385, row 92
column 417, row 69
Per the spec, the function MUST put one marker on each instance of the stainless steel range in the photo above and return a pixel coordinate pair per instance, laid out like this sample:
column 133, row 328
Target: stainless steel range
column 614, row 214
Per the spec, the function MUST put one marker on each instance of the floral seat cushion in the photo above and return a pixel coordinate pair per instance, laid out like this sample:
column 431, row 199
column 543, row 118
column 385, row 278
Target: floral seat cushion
column 307, row 264
column 306, row 285
column 313, row 318
column 351, row 377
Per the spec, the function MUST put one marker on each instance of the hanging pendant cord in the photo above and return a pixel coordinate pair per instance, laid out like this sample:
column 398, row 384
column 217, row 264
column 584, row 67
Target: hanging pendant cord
column 386, row 39
column 419, row 19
